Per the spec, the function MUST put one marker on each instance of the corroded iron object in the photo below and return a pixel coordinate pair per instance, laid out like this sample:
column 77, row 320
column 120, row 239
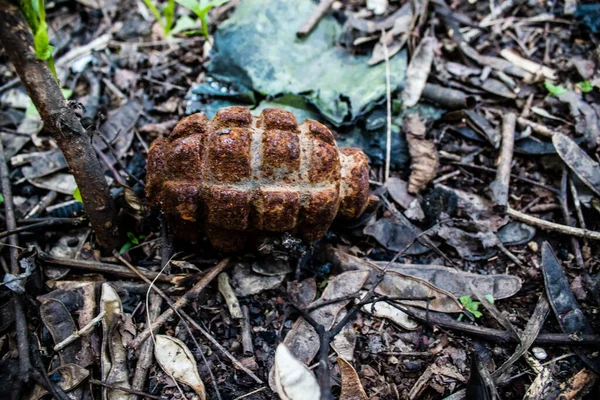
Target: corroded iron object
column 239, row 176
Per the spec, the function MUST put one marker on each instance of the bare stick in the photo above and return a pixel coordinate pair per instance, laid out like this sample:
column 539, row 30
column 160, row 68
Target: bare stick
column 182, row 302
column 61, row 122
column 105, row 268
column 146, row 353
column 20, row 319
column 314, row 18
column 500, row 185
column 551, row 226
column 47, row 223
column 247, row 344
column 86, row 330
column 540, row 129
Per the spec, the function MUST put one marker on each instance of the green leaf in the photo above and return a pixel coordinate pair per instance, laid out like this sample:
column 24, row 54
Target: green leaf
column 169, row 12
column 191, row 5
column 132, row 238
column 125, row 247
column 471, row 305
column 77, row 195
column 585, row 86
column 43, row 49
column 489, row 298
column 554, row 90
column 154, row 11
column 1, row 199
column 184, row 23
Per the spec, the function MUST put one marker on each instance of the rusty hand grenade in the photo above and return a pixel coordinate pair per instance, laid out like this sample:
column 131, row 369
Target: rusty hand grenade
column 240, row 176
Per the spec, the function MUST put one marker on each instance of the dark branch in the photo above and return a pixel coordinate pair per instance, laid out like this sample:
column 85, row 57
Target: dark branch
column 61, row 122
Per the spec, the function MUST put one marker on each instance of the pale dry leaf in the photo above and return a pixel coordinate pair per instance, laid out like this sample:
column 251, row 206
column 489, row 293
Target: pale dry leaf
column 113, row 356
column 382, row 309
column 418, row 72
column 377, row 6
column 352, row 389
column 293, row 380
column 423, row 154
column 230, row 299
column 177, row 361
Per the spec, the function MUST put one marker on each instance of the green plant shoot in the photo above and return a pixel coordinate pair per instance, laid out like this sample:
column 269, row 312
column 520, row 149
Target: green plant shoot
column 133, row 240
column 470, row 305
column 1, row 199
column 169, row 13
column 201, row 9
column 34, row 12
column 585, row 86
column 77, row 195
column 554, row 90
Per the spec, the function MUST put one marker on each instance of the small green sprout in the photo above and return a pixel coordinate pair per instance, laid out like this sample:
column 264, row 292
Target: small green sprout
column 585, row 86
column 554, row 90
column 35, row 14
column 77, row 195
column 133, row 240
column 1, row 199
column 470, row 305
column 201, row 9
column 165, row 23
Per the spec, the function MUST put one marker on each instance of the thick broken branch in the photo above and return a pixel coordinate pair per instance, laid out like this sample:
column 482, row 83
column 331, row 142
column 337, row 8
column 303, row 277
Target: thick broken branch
column 61, row 122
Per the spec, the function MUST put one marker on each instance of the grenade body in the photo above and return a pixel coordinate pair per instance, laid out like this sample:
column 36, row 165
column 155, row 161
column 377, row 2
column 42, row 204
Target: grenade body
column 239, row 177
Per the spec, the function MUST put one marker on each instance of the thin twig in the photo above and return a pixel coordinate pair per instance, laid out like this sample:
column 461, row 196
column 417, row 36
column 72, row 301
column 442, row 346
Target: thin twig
column 314, row 18
column 501, row 184
column 146, row 353
column 551, row 226
column 564, row 206
column 86, row 330
column 519, row 178
column 182, row 302
column 104, row 268
column 182, row 314
column 20, row 318
column 124, row 389
column 47, row 223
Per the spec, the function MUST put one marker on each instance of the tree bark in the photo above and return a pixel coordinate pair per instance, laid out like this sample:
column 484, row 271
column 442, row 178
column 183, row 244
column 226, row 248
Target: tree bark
column 62, row 123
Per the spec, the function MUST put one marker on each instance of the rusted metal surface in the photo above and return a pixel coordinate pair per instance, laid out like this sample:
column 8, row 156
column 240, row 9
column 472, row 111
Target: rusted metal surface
column 240, row 176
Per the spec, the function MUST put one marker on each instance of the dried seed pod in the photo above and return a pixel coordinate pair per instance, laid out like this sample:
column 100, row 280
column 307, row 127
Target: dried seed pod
column 240, row 175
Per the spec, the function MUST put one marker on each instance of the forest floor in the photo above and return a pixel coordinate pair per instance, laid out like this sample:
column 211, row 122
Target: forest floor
column 489, row 205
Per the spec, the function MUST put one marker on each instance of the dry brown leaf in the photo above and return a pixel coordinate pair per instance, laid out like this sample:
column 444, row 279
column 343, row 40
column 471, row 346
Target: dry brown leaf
column 177, row 361
column 424, row 155
column 351, row 387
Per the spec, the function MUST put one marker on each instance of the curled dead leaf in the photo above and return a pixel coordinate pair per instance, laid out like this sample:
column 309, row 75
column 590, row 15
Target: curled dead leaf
column 177, row 360
column 424, row 155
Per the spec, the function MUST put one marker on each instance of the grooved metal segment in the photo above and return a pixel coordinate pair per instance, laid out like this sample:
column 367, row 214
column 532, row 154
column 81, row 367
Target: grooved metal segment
column 239, row 174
